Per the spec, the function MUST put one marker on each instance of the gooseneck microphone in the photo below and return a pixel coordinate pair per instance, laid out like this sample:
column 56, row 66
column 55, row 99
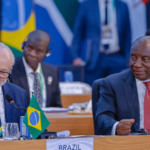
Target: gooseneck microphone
column 11, row 101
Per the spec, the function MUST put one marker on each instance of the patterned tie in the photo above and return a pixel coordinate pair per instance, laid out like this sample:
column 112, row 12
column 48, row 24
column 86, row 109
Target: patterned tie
column 37, row 88
column 147, row 107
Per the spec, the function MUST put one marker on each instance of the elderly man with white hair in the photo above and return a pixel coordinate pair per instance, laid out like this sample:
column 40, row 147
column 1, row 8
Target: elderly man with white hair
column 8, row 113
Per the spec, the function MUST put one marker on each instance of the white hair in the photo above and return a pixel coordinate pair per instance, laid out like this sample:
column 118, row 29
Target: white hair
column 5, row 48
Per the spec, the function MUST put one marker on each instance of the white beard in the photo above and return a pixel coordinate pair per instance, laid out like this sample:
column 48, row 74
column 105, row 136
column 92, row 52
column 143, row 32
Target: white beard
column 2, row 83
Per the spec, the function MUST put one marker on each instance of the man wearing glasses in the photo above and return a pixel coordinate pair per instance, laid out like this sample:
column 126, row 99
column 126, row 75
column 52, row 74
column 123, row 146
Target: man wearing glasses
column 8, row 113
column 30, row 73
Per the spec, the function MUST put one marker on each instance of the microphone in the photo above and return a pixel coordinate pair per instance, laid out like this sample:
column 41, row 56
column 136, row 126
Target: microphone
column 11, row 101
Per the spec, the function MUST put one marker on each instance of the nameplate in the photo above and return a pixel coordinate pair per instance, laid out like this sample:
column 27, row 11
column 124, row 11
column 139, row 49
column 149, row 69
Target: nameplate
column 70, row 144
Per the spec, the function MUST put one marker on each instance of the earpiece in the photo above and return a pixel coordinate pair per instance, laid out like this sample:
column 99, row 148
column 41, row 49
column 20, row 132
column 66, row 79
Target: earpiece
column 48, row 53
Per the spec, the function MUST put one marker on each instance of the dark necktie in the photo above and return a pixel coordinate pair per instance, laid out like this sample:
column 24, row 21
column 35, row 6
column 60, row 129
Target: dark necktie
column 106, row 12
column 106, row 46
column 37, row 88
column 147, row 107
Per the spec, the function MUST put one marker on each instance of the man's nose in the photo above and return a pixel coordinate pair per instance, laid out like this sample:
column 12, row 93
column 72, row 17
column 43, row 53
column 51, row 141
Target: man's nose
column 33, row 53
column 138, row 63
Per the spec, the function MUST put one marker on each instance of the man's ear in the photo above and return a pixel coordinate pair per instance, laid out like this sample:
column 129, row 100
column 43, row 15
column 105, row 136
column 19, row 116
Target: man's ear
column 23, row 44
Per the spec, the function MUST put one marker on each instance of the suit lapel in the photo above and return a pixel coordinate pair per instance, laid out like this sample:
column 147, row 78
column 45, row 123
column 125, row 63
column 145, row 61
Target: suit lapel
column 23, row 78
column 131, row 95
column 8, row 106
column 118, row 18
column 48, row 88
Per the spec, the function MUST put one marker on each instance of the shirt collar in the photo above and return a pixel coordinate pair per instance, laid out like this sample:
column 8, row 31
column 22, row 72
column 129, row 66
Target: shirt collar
column 140, row 81
column 0, row 90
column 29, row 70
column 103, row 1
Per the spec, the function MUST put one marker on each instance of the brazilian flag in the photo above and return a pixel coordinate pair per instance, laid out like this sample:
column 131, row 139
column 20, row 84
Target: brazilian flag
column 0, row 131
column 34, row 119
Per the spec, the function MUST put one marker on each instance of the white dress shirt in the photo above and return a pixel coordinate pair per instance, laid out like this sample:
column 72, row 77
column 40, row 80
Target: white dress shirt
column 30, row 79
column 113, row 41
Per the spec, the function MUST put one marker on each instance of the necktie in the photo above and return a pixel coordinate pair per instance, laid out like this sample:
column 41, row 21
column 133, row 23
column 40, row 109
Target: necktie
column 106, row 12
column 147, row 107
column 106, row 46
column 37, row 88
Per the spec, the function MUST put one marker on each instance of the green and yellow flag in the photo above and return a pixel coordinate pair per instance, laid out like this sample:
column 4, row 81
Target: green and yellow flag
column 34, row 119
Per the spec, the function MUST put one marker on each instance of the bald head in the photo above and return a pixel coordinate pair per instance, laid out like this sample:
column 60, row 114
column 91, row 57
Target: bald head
column 39, row 35
column 6, row 53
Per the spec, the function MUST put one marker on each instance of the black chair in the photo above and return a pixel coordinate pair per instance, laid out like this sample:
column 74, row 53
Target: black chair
column 78, row 72
column 95, row 98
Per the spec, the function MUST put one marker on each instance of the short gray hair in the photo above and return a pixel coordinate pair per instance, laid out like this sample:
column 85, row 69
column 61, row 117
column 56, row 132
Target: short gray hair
column 140, row 40
column 6, row 48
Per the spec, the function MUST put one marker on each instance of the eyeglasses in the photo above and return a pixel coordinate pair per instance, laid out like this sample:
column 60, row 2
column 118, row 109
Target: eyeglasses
column 4, row 75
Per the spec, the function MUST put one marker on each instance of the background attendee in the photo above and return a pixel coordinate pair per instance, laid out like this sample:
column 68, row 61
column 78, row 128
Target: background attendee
column 147, row 32
column 8, row 113
column 138, row 24
column 148, row 14
column 30, row 73
column 123, row 105
column 103, row 26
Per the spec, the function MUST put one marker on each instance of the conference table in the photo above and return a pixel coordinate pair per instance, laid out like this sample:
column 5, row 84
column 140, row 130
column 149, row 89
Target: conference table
column 141, row 142
column 68, row 100
column 76, row 124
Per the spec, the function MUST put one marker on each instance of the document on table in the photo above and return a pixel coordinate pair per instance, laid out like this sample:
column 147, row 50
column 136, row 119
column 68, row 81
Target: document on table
column 55, row 109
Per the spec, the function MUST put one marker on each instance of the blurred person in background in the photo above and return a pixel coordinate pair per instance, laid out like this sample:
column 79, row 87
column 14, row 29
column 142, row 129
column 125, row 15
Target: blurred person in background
column 137, row 13
column 30, row 73
column 103, row 27
column 148, row 15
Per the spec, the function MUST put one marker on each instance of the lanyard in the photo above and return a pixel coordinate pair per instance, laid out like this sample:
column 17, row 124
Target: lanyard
column 42, row 83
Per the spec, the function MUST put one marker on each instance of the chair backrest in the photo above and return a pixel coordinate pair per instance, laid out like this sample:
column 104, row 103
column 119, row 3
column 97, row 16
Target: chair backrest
column 77, row 71
column 95, row 98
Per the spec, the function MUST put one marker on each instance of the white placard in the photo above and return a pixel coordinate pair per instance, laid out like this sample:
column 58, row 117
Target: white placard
column 70, row 144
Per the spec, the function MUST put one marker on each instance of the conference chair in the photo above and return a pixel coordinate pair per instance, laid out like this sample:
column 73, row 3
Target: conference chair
column 77, row 72
column 95, row 98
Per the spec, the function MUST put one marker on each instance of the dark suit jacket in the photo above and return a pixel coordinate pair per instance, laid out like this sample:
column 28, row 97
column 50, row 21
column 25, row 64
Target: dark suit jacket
column 118, row 100
column 87, row 31
column 20, row 98
column 19, row 78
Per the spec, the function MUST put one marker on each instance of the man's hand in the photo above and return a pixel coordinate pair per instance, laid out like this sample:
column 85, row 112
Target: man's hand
column 78, row 62
column 124, row 126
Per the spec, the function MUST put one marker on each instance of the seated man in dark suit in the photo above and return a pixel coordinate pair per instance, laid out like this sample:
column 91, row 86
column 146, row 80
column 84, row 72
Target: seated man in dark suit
column 30, row 73
column 124, row 103
column 8, row 113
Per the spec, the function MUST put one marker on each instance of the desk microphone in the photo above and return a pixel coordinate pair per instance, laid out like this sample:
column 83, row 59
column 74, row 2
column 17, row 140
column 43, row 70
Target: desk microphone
column 11, row 101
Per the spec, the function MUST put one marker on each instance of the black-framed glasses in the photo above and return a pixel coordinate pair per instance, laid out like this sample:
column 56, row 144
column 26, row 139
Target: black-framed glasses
column 4, row 75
